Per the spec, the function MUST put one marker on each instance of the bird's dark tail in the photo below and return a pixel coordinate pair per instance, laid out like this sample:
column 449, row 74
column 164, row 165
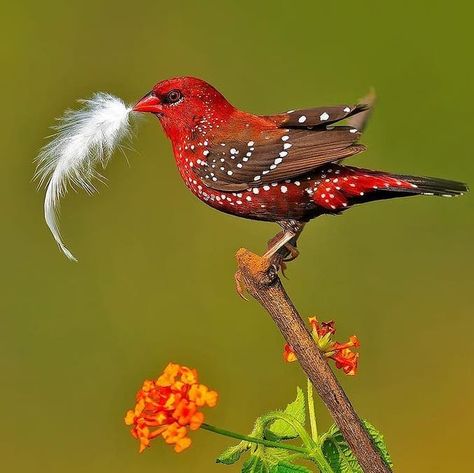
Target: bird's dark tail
column 427, row 185
column 345, row 186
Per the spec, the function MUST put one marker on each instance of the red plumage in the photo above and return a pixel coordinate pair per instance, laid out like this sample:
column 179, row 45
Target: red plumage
column 280, row 168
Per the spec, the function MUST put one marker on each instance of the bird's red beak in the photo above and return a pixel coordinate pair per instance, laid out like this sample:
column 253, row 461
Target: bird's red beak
column 149, row 103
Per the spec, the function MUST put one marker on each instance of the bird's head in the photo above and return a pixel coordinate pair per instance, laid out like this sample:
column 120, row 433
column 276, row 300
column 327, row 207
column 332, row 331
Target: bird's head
column 184, row 102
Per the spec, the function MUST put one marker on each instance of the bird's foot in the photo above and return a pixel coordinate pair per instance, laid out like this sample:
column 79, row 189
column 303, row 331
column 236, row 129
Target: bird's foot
column 281, row 249
column 293, row 253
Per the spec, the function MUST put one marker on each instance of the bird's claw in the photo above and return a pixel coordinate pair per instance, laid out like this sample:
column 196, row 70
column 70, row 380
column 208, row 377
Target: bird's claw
column 293, row 253
column 275, row 256
column 277, row 265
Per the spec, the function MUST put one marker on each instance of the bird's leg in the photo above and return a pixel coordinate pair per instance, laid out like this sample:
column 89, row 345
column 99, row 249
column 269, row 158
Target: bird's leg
column 285, row 241
column 279, row 241
column 281, row 248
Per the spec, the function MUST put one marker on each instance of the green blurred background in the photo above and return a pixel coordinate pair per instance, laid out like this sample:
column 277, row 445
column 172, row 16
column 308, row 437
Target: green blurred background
column 154, row 280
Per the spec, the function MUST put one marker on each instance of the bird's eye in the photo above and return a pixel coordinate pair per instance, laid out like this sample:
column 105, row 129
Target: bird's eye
column 174, row 96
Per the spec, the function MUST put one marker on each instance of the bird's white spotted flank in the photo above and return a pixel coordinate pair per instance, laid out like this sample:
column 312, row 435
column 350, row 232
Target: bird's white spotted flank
column 324, row 116
column 84, row 139
column 302, row 119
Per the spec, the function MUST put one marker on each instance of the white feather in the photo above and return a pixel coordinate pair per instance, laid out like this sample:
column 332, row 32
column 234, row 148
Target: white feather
column 84, row 138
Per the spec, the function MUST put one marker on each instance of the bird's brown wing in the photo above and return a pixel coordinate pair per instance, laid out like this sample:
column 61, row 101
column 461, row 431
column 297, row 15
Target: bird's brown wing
column 321, row 116
column 276, row 155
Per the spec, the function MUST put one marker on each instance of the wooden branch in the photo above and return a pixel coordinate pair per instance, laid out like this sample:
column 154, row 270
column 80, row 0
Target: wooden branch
column 260, row 278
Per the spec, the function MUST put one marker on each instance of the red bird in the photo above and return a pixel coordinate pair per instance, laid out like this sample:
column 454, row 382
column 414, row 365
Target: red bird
column 283, row 168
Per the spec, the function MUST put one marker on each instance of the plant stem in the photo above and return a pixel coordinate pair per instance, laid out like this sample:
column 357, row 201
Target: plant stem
column 313, row 448
column 320, row 460
column 267, row 443
column 312, row 414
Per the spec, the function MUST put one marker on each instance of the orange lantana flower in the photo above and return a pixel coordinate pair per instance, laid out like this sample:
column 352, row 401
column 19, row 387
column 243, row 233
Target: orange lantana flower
column 169, row 407
column 341, row 353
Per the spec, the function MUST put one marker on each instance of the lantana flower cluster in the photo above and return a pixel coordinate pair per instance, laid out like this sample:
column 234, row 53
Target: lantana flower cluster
column 169, row 407
column 341, row 353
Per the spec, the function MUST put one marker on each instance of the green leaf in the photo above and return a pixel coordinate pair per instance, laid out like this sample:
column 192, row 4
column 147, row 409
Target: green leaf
column 265, row 459
column 255, row 465
column 379, row 441
column 290, row 468
column 270, row 456
column 297, row 410
column 233, row 454
column 339, row 458
column 339, row 455
column 262, row 464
